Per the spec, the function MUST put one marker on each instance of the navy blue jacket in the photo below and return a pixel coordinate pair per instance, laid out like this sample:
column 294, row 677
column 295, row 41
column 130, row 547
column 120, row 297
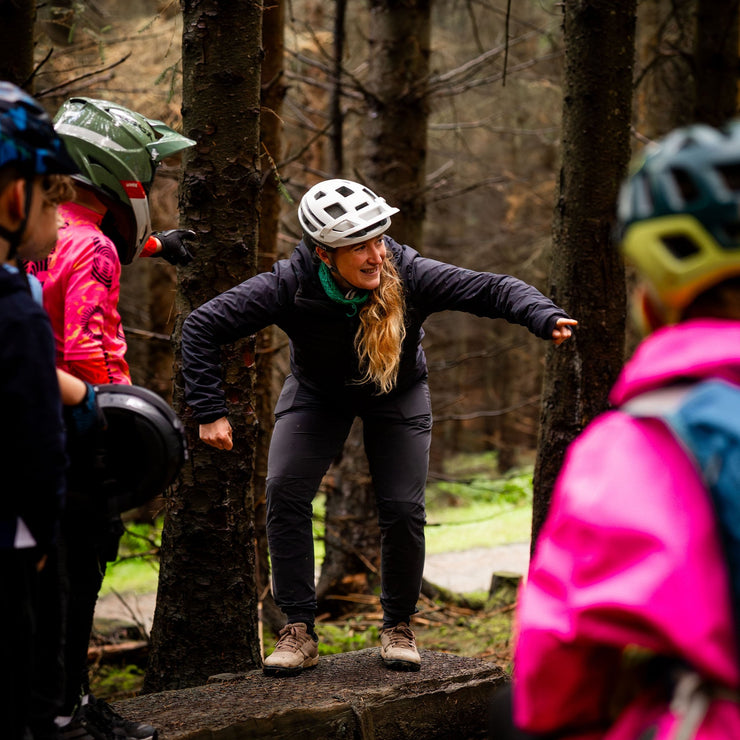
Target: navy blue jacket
column 32, row 453
column 322, row 352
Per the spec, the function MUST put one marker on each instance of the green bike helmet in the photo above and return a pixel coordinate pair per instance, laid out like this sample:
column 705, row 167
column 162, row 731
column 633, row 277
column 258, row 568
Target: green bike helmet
column 678, row 215
column 117, row 151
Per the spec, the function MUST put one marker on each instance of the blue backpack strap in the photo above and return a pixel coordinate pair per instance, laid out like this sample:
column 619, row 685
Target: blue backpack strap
column 705, row 418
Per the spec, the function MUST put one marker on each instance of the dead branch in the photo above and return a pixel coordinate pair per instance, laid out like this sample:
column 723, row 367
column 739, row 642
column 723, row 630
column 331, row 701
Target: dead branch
column 74, row 80
column 483, row 414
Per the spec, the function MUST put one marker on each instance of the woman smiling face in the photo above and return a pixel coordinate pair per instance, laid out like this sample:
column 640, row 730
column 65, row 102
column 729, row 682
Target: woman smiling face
column 357, row 265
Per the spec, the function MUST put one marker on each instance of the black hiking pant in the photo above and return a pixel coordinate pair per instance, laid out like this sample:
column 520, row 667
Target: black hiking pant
column 310, row 431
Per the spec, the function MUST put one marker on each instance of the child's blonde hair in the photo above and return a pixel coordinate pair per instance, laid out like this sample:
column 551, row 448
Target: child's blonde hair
column 57, row 189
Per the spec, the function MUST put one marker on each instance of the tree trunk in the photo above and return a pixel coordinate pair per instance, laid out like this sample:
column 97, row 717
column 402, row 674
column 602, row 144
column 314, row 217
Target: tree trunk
column 16, row 41
column 206, row 616
column 335, row 104
column 716, row 61
column 398, row 111
column 394, row 165
column 273, row 93
column 587, row 274
column 664, row 93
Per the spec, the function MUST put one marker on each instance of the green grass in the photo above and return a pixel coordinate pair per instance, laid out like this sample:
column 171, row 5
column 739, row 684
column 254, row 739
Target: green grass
column 476, row 507
column 137, row 567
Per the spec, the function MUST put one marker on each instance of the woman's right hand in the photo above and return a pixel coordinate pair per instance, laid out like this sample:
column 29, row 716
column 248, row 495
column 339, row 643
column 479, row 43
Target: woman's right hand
column 217, row 434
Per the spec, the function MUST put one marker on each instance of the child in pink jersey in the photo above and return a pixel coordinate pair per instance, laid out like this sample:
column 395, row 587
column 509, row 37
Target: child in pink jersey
column 108, row 224
column 81, row 283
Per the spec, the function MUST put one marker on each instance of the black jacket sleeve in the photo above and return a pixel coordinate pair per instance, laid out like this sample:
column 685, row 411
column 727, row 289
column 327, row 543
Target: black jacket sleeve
column 237, row 313
column 33, row 451
column 439, row 286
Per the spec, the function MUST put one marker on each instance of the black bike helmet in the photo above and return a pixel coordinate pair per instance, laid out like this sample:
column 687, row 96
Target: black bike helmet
column 135, row 457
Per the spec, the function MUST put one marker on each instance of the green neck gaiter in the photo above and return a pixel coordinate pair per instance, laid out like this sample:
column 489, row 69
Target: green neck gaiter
column 332, row 290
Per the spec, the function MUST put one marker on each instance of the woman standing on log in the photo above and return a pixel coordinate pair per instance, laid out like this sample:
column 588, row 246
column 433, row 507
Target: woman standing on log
column 352, row 301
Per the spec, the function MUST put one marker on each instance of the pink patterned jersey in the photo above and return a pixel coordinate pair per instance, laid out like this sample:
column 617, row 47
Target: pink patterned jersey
column 81, row 282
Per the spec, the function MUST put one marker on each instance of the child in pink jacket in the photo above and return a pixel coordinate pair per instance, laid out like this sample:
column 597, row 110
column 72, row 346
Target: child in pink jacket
column 625, row 625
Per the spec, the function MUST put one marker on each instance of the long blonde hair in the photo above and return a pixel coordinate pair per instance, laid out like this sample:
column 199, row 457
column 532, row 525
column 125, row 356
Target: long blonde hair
column 382, row 329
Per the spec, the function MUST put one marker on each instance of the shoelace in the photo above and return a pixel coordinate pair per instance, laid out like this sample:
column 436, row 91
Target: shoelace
column 402, row 636
column 290, row 637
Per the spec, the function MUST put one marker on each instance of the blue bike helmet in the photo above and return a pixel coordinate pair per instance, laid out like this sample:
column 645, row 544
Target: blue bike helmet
column 29, row 142
column 679, row 214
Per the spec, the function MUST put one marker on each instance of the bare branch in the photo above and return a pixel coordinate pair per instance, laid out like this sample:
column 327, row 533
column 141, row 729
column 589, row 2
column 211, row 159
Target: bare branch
column 68, row 83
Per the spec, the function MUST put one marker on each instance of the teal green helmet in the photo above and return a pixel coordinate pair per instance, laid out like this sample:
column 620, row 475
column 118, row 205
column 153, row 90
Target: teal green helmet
column 117, row 152
column 678, row 214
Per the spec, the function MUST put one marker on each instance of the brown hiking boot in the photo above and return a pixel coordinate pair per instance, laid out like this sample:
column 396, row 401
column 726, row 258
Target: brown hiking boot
column 398, row 648
column 294, row 651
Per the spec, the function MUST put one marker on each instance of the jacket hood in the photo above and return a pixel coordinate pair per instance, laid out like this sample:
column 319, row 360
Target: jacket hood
column 693, row 350
column 304, row 257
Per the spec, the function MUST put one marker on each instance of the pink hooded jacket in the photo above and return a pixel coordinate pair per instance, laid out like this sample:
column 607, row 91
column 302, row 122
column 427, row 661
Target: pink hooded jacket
column 629, row 558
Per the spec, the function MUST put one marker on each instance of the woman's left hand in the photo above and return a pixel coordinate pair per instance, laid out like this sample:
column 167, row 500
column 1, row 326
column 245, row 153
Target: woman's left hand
column 562, row 330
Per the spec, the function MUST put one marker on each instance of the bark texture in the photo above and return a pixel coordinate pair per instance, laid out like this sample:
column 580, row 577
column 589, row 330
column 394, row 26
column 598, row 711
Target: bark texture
column 16, row 41
column 271, row 128
column 206, row 616
column 398, row 110
column 665, row 76
column 587, row 275
column 716, row 61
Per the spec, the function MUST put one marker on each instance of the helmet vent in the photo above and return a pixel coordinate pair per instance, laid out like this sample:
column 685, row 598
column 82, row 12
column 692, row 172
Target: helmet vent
column 680, row 246
column 345, row 191
column 336, row 210
column 732, row 232
column 731, row 176
column 686, row 186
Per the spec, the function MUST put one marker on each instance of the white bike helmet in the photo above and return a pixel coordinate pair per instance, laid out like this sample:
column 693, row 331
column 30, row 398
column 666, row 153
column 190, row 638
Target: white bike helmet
column 338, row 213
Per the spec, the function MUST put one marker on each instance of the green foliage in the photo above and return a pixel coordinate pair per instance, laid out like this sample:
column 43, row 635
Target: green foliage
column 476, row 506
column 137, row 566
column 141, row 538
column 113, row 683
column 473, row 478
column 346, row 637
column 171, row 75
